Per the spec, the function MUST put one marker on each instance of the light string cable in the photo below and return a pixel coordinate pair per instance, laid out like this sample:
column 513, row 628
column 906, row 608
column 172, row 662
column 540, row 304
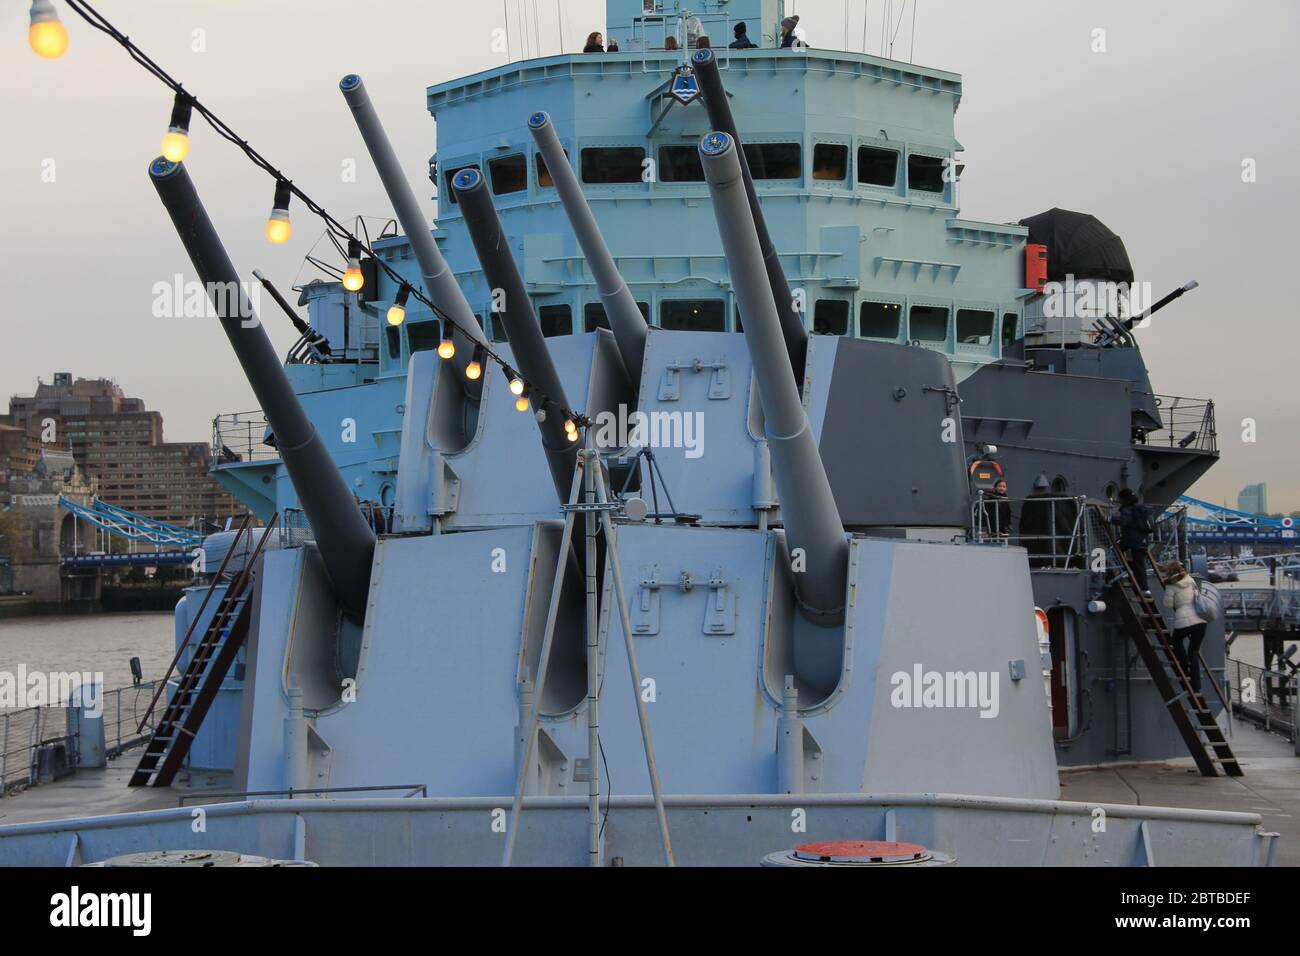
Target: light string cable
column 340, row 235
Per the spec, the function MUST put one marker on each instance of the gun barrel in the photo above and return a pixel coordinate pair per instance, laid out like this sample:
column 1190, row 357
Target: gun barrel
column 625, row 319
column 812, row 520
column 1130, row 322
column 439, row 281
column 345, row 540
column 714, row 95
column 522, row 329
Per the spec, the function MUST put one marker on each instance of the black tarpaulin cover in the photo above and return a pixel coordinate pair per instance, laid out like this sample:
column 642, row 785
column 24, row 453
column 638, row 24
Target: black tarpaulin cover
column 1079, row 244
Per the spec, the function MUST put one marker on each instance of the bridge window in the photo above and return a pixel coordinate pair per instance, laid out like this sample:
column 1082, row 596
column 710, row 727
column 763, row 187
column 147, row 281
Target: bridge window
column 544, row 180
column 877, row 167
column 509, row 174
column 447, row 177
column 394, row 336
column 879, row 320
column 831, row 317
column 693, row 315
column 925, row 173
column 556, row 319
column 974, row 327
column 495, row 329
column 1009, row 323
column 830, row 161
column 928, row 323
column 593, row 315
column 774, row 160
column 603, row 165
column 680, row 164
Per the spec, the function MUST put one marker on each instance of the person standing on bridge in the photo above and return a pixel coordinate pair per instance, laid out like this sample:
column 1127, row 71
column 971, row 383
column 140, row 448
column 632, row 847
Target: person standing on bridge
column 1189, row 627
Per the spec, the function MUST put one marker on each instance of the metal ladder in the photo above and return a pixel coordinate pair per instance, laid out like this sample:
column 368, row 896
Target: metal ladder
column 1197, row 726
column 202, row 678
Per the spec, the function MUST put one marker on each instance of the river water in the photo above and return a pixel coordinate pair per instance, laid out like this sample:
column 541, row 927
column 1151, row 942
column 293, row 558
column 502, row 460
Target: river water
column 103, row 642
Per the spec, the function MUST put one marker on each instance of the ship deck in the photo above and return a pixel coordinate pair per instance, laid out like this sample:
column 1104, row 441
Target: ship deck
column 1270, row 787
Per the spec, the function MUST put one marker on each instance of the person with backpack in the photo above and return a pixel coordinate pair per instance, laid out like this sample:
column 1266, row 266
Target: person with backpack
column 1135, row 528
column 1189, row 625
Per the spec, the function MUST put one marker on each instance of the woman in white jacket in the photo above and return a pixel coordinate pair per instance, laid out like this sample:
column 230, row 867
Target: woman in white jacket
column 1189, row 627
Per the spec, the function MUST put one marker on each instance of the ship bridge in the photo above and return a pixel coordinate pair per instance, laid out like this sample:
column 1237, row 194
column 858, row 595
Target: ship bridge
column 855, row 163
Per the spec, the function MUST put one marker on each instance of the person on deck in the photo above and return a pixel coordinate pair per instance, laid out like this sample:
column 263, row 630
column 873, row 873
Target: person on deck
column 1135, row 528
column 595, row 43
column 742, row 41
column 788, row 39
column 997, row 511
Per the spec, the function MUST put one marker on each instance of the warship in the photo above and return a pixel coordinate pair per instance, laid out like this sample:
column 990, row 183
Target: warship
column 661, row 528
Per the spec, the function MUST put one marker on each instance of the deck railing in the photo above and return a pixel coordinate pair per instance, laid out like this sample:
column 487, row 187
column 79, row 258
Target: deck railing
column 25, row 730
column 239, row 437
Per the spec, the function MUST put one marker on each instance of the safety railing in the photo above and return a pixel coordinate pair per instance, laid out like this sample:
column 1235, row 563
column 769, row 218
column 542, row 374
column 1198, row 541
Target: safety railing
column 207, row 796
column 1187, row 423
column 25, row 730
column 1053, row 529
column 1266, row 696
column 650, row 35
column 240, row 437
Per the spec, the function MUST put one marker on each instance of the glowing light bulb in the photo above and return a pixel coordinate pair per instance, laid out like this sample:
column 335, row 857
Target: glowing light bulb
column 47, row 35
column 446, row 348
column 353, row 280
column 570, row 427
column 176, row 144
column 176, row 141
column 278, row 226
column 572, row 436
column 521, row 403
column 474, row 369
column 516, row 386
column 397, row 311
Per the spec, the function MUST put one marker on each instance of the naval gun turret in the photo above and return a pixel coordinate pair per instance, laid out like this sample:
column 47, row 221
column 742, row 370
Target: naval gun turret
column 625, row 319
column 439, row 281
column 345, row 540
column 714, row 95
column 522, row 329
column 812, row 521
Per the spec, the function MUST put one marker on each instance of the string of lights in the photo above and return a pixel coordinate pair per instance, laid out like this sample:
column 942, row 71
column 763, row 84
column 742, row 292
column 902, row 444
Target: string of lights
column 48, row 38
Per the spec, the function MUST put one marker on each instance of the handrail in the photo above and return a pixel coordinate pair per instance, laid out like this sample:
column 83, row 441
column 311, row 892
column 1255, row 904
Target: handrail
column 194, row 622
column 421, row 788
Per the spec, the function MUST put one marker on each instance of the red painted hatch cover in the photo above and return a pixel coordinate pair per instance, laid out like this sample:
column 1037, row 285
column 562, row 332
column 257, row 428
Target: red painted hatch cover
column 860, row 851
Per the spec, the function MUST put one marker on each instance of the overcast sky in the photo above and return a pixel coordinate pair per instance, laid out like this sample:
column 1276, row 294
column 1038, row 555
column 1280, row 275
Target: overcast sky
column 1149, row 135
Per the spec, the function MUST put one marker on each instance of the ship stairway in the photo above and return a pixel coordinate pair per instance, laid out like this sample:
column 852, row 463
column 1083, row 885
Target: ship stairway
column 208, row 666
column 1154, row 643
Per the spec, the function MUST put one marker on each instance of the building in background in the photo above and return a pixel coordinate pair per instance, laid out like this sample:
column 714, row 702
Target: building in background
column 1253, row 498
column 119, row 443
